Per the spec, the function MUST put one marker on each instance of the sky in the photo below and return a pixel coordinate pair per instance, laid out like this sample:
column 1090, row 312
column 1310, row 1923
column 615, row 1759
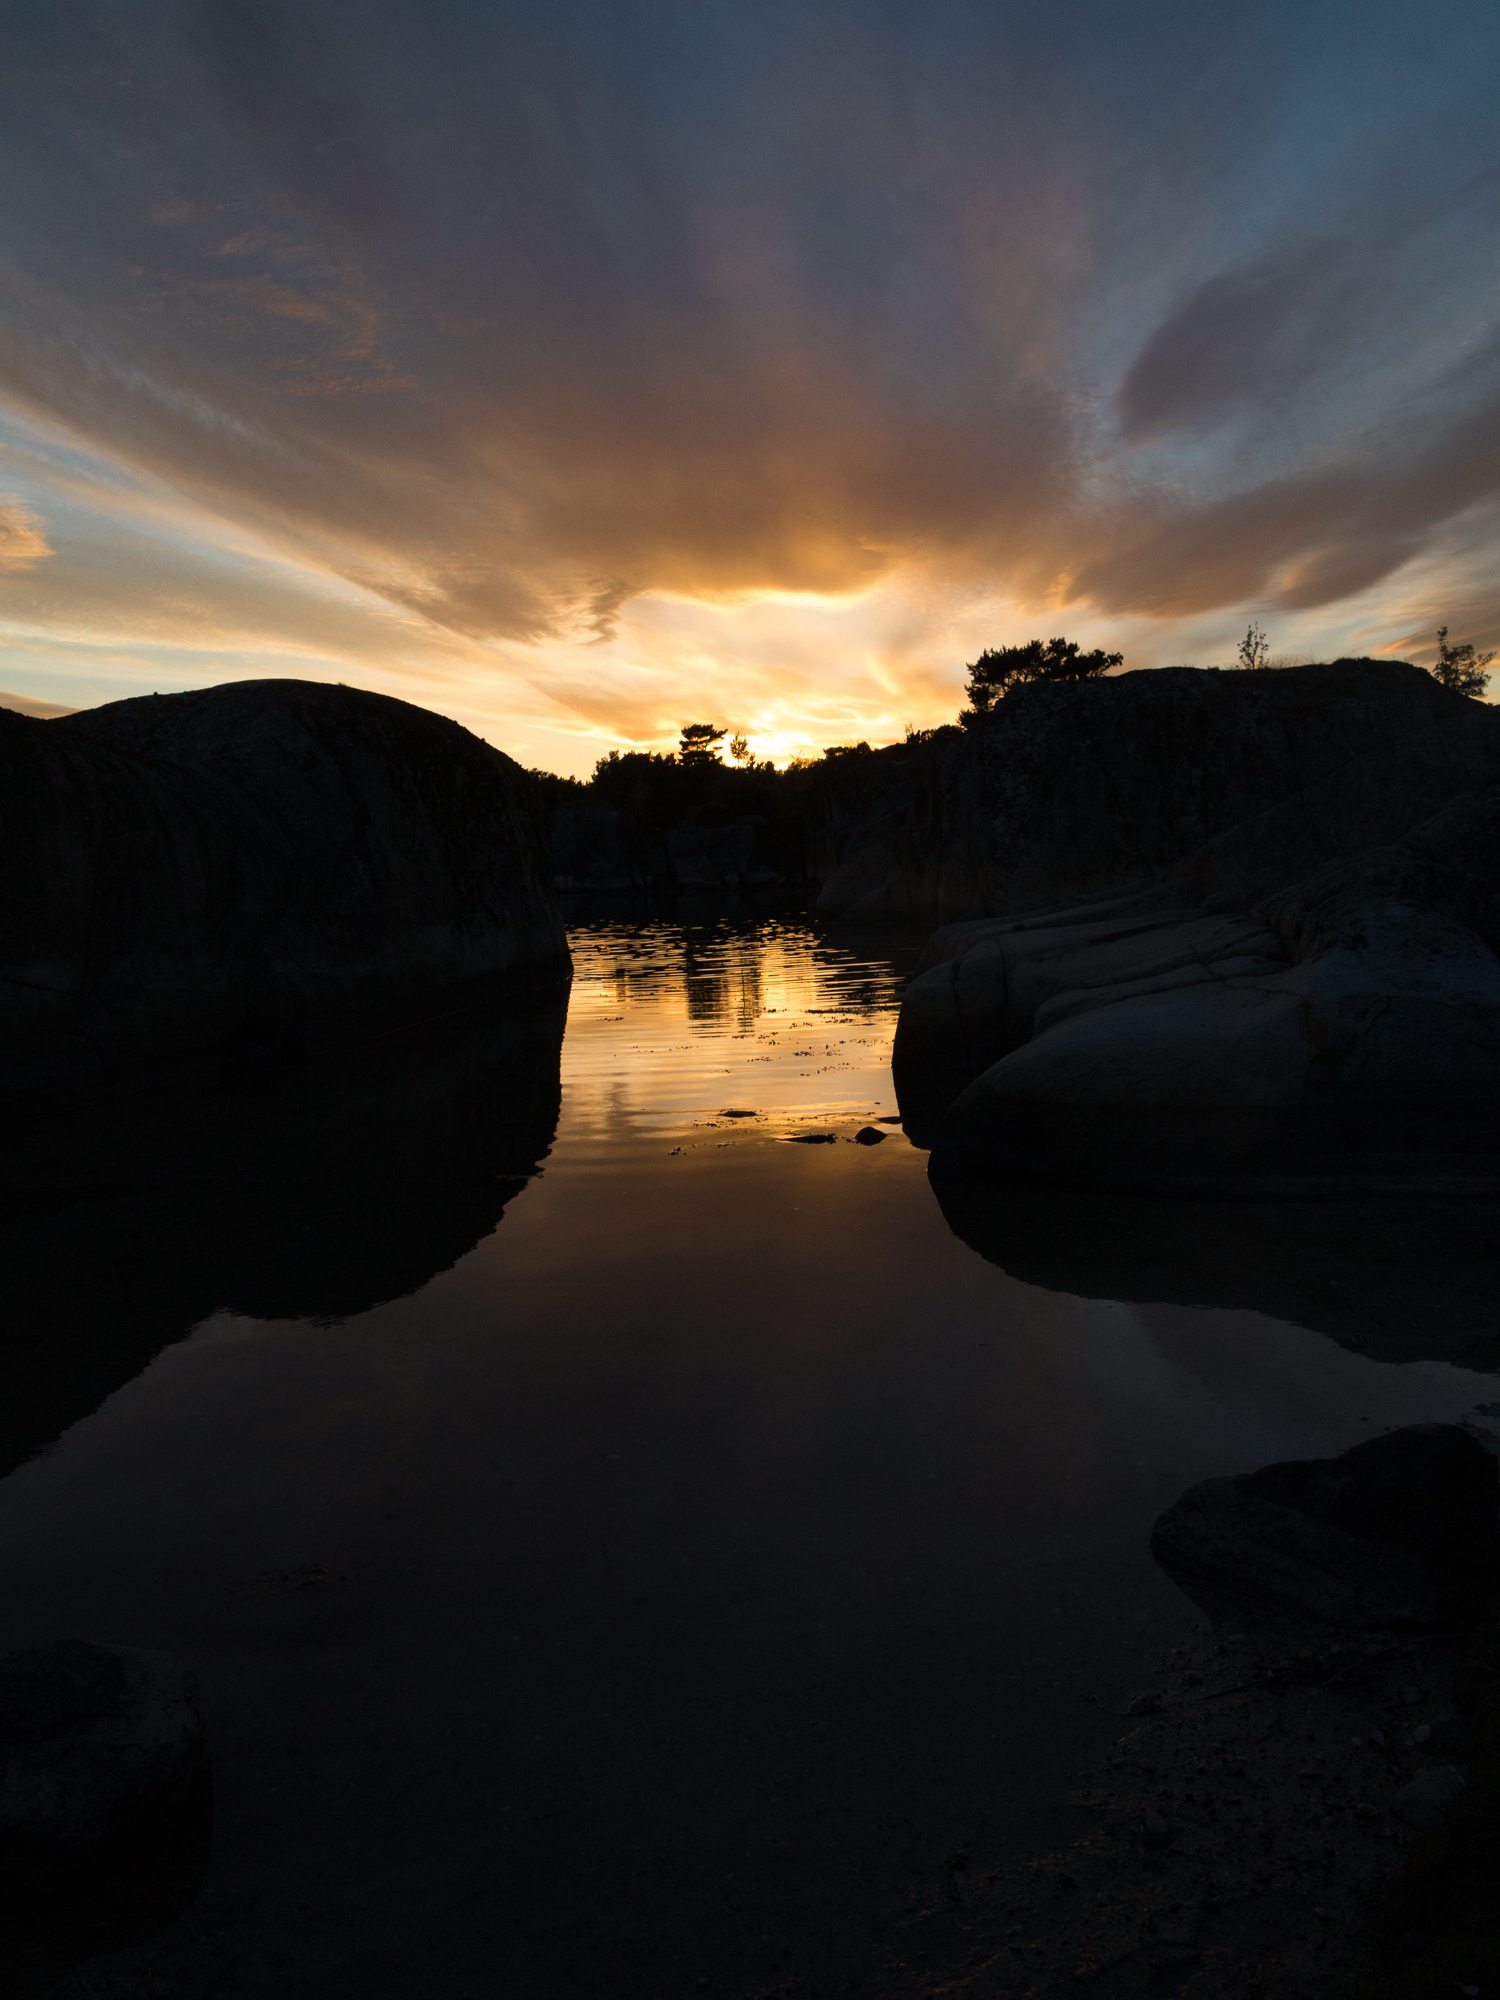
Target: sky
column 587, row 368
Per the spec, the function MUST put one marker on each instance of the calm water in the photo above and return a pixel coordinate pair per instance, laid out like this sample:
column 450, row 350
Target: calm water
column 636, row 1570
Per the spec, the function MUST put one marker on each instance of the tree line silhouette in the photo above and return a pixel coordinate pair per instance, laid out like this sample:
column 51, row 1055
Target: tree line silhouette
column 713, row 776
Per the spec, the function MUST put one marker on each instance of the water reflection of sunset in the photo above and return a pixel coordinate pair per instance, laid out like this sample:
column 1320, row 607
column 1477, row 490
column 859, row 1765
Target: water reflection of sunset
column 670, row 1026
column 721, row 1517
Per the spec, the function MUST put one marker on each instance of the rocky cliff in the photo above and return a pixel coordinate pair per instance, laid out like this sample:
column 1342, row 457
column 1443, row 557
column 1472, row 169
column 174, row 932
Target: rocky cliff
column 250, row 870
column 1276, row 962
column 1070, row 789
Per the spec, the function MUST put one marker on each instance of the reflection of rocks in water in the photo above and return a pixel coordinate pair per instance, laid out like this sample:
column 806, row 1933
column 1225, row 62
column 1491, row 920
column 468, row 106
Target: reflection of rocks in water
column 105, row 1808
column 293, row 1197
column 728, row 973
column 1396, row 1280
column 721, row 978
column 705, row 988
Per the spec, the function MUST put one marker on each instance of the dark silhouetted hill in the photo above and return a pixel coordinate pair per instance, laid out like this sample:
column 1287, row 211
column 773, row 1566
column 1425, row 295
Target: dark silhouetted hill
column 246, row 871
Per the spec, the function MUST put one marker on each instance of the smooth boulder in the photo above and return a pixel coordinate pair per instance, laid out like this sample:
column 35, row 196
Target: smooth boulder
column 1307, row 1000
column 1402, row 1530
column 254, row 871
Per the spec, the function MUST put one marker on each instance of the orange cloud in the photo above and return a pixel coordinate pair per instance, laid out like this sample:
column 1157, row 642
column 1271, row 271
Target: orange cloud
column 27, row 704
column 784, row 360
column 23, row 544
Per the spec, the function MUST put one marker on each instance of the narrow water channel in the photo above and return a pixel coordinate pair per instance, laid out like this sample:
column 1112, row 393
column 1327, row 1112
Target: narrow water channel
column 630, row 1559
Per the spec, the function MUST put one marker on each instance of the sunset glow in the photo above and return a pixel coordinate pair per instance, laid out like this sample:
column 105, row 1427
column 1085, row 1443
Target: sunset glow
column 579, row 379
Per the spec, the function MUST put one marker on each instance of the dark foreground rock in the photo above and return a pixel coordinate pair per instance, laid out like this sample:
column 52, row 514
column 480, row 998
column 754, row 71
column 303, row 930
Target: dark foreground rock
column 1402, row 1530
column 104, row 1803
column 1424, row 1801
column 96, row 1985
column 250, row 870
column 100, row 1744
column 1239, row 1839
column 1277, row 967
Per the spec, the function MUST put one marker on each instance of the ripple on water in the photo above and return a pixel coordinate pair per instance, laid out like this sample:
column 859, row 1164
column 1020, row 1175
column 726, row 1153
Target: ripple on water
column 672, row 1026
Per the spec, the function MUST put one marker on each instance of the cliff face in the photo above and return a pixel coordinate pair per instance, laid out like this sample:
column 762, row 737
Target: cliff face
column 1068, row 790
column 1276, row 961
column 250, row 870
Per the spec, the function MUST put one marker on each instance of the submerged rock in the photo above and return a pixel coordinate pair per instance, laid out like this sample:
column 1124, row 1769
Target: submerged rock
column 251, row 871
column 1401, row 1530
column 102, row 1747
column 104, row 1809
